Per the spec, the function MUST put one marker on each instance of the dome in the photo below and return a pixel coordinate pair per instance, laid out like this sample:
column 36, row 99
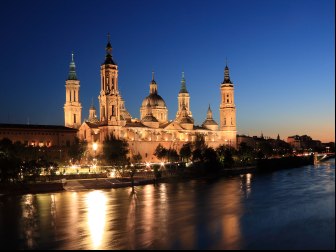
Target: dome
column 154, row 100
column 149, row 118
column 184, row 120
column 209, row 122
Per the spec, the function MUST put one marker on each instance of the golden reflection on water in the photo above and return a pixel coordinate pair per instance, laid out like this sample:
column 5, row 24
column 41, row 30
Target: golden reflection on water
column 148, row 215
column 231, row 217
column 28, row 220
column 96, row 206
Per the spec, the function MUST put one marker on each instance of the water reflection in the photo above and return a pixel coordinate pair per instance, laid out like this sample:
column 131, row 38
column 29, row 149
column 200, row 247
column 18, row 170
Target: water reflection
column 286, row 209
column 96, row 205
column 245, row 184
column 29, row 220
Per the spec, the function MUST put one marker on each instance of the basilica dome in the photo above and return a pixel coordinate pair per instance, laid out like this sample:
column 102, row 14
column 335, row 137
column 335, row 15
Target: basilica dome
column 154, row 100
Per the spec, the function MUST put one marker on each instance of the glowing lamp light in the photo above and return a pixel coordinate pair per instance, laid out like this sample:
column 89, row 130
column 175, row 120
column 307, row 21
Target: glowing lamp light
column 95, row 146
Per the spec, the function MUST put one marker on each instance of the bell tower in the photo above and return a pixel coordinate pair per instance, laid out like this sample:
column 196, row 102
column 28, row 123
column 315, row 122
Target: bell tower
column 109, row 97
column 72, row 106
column 227, row 111
column 183, row 99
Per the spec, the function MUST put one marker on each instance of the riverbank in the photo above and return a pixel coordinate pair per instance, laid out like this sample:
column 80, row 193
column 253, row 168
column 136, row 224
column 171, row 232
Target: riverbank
column 101, row 181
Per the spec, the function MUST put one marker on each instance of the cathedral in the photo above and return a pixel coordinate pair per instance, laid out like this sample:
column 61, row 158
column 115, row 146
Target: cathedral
column 153, row 128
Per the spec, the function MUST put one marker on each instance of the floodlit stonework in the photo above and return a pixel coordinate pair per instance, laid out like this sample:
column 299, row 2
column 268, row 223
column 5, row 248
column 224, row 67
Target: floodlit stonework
column 72, row 106
column 153, row 127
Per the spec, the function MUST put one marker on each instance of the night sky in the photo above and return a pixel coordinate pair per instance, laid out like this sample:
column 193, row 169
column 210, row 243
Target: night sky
column 281, row 56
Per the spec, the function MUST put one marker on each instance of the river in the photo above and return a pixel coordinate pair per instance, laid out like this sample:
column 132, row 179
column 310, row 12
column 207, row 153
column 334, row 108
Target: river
column 286, row 209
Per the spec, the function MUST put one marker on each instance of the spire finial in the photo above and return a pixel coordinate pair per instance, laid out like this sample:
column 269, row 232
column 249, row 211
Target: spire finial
column 183, row 85
column 226, row 75
column 72, row 68
column 92, row 101
column 226, row 61
column 152, row 75
column 209, row 113
column 108, row 37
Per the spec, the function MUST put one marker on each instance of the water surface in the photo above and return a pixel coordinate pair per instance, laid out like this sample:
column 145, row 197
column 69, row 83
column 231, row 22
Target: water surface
column 287, row 209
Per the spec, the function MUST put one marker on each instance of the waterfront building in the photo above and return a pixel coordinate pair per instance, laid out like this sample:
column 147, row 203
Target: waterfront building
column 38, row 135
column 304, row 143
column 153, row 128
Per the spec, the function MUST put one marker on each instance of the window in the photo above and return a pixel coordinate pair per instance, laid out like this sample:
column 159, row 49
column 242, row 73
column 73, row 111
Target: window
column 224, row 121
column 227, row 100
column 74, row 118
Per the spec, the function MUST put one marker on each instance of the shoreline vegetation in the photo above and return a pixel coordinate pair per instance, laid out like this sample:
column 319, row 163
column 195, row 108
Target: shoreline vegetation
column 174, row 174
column 27, row 169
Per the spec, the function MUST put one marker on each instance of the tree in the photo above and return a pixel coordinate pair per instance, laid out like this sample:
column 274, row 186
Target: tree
column 160, row 152
column 199, row 142
column 136, row 158
column 210, row 159
column 185, row 152
column 228, row 159
column 9, row 162
column 77, row 150
column 220, row 151
column 197, row 155
column 115, row 150
column 172, row 155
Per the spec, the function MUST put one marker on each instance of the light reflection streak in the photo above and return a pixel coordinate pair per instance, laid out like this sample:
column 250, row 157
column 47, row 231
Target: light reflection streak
column 131, row 218
column 148, row 217
column 245, row 184
column 29, row 224
column 248, row 183
column 231, row 235
column 96, row 204
column 53, row 209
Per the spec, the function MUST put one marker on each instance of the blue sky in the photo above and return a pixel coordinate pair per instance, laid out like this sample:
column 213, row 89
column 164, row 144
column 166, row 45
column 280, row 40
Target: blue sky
column 281, row 56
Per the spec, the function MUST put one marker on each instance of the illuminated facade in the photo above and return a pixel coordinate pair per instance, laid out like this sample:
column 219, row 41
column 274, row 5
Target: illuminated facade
column 72, row 106
column 153, row 128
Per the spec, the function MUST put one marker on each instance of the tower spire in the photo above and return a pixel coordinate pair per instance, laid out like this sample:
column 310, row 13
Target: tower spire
column 108, row 57
column 183, row 85
column 209, row 113
column 72, row 69
column 153, row 85
column 226, row 75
